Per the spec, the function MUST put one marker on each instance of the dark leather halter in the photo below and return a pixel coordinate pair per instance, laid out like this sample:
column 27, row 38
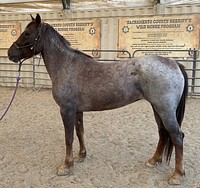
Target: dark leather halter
column 31, row 45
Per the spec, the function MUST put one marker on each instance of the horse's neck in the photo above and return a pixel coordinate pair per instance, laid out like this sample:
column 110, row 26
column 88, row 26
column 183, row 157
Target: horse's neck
column 54, row 53
column 59, row 57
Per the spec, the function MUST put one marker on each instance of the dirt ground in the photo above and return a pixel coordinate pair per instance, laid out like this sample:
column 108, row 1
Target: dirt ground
column 119, row 142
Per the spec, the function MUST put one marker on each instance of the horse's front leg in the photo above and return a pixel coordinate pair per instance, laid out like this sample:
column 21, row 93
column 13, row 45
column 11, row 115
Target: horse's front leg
column 80, row 135
column 68, row 117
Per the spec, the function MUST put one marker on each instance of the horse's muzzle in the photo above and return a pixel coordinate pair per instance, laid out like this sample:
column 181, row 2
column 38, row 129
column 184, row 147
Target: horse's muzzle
column 13, row 58
column 13, row 55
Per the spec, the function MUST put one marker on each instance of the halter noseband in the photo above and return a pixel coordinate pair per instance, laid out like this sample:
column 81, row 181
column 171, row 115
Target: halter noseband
column 32, row 46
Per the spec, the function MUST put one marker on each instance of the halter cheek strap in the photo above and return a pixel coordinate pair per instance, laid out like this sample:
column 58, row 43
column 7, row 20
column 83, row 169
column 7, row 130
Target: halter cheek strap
column 20, row 61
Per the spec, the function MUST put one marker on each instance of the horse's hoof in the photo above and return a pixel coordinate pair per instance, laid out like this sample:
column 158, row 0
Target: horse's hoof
column 64, row 170
column 81, row 157
column 176, row 179
column 150, row 165
column 153, row 162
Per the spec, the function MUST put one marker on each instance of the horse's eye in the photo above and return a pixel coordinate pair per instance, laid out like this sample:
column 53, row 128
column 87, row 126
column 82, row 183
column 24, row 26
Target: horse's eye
column 27, row 34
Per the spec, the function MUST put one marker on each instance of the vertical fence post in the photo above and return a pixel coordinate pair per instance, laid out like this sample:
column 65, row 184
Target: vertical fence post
column 34, row 72
column 194, row 64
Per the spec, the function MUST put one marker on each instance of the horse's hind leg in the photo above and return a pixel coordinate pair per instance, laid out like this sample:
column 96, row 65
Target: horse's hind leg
column 157, row 157
column 80, row 135
column 175, row 135
column 177, row 139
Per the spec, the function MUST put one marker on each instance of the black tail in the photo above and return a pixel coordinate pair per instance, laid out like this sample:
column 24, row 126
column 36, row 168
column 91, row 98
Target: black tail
column 179, row 114
column 181, row 107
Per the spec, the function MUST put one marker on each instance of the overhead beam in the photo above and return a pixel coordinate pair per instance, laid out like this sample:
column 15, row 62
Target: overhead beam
column 18, row 1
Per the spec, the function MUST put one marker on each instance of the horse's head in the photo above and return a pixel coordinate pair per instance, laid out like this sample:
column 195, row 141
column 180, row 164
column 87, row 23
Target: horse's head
column 29, row 42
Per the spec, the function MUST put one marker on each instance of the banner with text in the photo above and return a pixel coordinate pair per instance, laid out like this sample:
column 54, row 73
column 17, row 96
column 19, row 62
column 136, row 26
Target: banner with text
column 9, row 32
column 82, row 34
column 174, row 33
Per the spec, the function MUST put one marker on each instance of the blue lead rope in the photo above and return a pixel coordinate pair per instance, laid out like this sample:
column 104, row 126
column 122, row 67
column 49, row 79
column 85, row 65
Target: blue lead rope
column 15, row 91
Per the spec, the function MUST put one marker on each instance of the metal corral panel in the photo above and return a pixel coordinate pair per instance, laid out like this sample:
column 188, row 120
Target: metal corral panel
column 34, row 75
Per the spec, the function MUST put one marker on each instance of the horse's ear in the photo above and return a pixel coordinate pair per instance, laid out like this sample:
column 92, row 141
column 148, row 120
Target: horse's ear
column 32, row 17
column 38, row 20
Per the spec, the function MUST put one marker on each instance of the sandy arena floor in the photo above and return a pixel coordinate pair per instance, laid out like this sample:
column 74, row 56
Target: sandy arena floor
column 119, row 142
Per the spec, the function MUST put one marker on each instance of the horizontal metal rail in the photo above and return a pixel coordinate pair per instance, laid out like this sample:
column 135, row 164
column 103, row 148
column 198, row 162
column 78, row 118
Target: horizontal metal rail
column 96, row 52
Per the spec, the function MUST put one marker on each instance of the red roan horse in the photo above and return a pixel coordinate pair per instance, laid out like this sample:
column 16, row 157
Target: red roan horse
column 80, row 83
